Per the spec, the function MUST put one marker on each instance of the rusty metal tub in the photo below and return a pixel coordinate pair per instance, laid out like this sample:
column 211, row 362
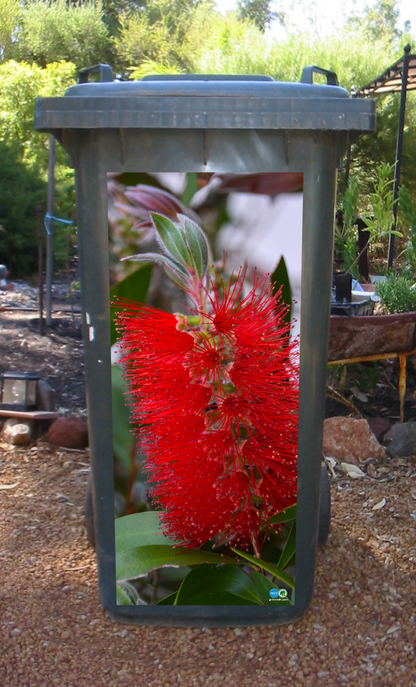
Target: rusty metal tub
column 376, row 337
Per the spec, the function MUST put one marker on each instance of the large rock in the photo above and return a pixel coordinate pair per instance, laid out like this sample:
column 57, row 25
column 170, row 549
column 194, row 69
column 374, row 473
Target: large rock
column 17, row 432
column 68, row 432
column 400, row 440
column 347, row 439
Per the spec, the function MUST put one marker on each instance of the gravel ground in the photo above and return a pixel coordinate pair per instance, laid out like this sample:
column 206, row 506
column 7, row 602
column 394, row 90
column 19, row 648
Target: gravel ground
column 360, row 629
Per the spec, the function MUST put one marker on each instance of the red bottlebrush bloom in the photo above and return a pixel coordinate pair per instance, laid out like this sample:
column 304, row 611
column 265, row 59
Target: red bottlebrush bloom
column 216, row 403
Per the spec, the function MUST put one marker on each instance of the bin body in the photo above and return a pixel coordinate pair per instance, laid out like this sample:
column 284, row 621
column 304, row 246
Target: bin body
column 223, row 126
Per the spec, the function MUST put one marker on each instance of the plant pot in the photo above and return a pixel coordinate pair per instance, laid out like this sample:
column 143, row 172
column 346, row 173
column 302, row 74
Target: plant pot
column 342, row 283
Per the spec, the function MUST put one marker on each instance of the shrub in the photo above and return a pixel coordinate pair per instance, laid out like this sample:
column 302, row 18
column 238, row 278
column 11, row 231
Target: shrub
column 397, row 294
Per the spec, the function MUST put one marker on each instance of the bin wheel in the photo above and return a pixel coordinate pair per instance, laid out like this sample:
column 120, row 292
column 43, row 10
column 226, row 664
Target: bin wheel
column 324, row 508
column 89, row 514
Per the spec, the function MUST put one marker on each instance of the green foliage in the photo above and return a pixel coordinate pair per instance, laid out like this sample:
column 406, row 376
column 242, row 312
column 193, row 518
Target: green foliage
column 382, row 203
column 408, row 213
column 214, row 579
column 190, row 189
column 20, row 85
column 379, row 223
column 224, row 585
column 21, row 189
column 140, row 529
column 185, row 249
column 369, row 151
column 55, row 30
column 346, row 233
column 397, row 293
column 379, row 21
column 133, row 287
column 123, row 438
column 230, row 46
column 127, row 595
column 159, row 34
column 10, row 13
column 280, row 279
column 141, row 547
column 279, row 571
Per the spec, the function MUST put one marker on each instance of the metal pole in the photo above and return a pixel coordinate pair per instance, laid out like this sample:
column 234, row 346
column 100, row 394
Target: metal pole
column 399, row 148
column 40, row 230
column 49, row 240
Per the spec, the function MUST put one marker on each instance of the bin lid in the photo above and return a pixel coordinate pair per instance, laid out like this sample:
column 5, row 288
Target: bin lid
column 207, row 102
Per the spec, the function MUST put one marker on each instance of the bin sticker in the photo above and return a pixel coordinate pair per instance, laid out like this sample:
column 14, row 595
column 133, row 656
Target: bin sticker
column 205, row 274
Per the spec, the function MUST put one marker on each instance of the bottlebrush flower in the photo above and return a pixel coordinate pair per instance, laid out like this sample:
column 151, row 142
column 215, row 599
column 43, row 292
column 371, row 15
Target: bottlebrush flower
column 215, row 401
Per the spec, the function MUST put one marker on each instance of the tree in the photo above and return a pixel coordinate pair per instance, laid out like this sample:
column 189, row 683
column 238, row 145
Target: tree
column 52, row 31
column 259, row 12
column 159, row 33
column 21, row 190
column 24, row 162
column 20, row 85
column 10, row 13
column 378, row 22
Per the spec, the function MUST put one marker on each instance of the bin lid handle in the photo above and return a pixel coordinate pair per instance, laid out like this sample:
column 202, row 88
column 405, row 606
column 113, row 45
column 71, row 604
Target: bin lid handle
column 307, row 75
column 106, row 73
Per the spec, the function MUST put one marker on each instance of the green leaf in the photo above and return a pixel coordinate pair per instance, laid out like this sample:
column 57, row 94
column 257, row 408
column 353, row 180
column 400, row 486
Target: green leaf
column 190, row 189
column 193, row 229
column 289, row 550
column 168, row 600
column 134, row 563
column 194, row 249
column 123, row 437
column 176, row 272
column 264, row 586
column 259, row 563
column 134, row 288
column 157, row 257
column 280, row 278
column 171, row 238
column 127, row 595
column 176, row 278
column 209, row 585
column 140, row 529
column 284, row 515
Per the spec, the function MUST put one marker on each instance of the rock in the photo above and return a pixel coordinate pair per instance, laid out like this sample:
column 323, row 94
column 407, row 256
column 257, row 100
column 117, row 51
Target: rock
column 379, row 426
column 46, row 396
column 400, row 440
column 17, row 432
column 345, row 438
column 68, row 432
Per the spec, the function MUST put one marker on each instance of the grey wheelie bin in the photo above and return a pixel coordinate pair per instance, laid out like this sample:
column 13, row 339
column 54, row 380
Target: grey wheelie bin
column 227, row 125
